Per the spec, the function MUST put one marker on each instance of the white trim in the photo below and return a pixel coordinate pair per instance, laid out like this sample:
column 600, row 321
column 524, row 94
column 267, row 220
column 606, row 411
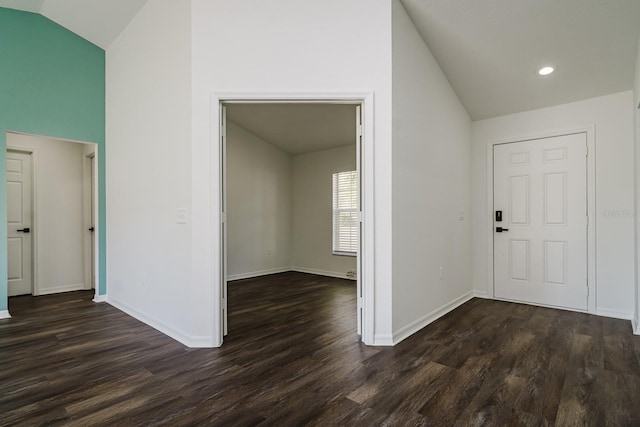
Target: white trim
column 383, row 340
column 590, row 132
column 366, row 99
column 4, row 314
column 183, row 338
column 63, row 288
column 635, row 327
column 251, row 274
column 327, row 273
column 616, row 314
column 480, row 294
column 99, row 298
column 535, row 304
column 415, row 326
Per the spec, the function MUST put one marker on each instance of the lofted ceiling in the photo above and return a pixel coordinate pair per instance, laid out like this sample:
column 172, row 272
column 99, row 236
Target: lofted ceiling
column 99, row 21
column 298, row 128
column 488, row 49
column 491, row 49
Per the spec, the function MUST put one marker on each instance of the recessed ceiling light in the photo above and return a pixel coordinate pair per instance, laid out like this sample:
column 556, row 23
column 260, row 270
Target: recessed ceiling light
column 546, row 70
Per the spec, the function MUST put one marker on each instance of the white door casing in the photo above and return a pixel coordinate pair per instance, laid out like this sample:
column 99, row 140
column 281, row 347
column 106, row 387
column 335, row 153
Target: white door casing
column 365, row 264
column 541, row 188
column 19, row 223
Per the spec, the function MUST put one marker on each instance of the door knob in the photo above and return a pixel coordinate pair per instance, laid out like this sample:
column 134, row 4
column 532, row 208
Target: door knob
column 500, row 229
column 24, row 230
column 92, row 229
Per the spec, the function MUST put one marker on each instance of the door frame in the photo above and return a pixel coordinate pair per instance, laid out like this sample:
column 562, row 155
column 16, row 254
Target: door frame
column 591, row 208
column 34, row 239
column 365, row 99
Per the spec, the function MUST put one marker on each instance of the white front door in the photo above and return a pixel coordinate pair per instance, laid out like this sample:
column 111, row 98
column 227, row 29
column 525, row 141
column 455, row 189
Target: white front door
column 19, row 214
column 540, row 241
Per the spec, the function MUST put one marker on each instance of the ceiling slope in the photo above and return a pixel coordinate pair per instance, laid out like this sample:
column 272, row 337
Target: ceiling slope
column 99, row 21
column 490, row 49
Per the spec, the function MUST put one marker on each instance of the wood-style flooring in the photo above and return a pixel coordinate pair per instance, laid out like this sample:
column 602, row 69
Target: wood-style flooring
column 292, row 358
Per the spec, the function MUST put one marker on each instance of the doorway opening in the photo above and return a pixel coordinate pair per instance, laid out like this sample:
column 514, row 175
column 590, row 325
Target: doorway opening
column 231, row 109
column 52, row 189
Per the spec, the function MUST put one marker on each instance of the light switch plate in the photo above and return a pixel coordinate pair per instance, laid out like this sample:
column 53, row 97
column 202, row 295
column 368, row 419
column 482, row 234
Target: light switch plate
column 181, row 216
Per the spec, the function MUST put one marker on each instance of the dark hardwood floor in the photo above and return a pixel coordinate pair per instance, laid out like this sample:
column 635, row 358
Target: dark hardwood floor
column 292, row 358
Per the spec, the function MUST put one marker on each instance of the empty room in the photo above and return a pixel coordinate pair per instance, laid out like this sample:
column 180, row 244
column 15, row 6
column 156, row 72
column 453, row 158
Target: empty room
column 462, row 249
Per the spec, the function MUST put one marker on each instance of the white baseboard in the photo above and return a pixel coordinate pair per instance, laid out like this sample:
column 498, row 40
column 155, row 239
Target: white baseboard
column 383, row 340
column 187, row 340
column 61, row 289
column 480, row 294
column 5, row 314
column 99, row 298
column 616, row 314
column 635, row 327
column 414, row 327
column 251, row 274
column 336, row 274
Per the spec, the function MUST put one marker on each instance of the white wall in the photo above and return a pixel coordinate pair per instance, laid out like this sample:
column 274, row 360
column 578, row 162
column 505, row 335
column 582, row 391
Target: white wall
column 612, row 117
column 431, row 185
column 59, row 227
column 312, row 211
column 286, row 47
column 259, row 205
column 148, row 177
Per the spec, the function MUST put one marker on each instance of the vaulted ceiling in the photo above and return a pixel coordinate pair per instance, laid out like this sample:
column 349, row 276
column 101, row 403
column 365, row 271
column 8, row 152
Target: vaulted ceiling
column 99, row 21
column 489, row 49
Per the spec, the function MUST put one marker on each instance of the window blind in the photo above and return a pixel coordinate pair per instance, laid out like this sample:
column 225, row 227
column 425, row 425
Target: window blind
column 345, row 213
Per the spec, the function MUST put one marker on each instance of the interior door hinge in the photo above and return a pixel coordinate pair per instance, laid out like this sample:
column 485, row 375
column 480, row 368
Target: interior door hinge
column 586, row 151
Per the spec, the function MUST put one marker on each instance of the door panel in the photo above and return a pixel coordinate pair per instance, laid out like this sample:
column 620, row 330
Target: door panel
column 541, row 188
column 19, row 213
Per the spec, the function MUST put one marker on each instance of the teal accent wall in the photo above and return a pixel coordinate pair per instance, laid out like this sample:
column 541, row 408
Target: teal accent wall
column 52, row 83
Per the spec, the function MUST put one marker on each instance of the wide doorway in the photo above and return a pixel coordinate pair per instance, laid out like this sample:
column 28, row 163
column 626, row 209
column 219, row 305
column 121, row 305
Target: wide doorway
column 51, row 215
column 292, row 195
column 540, row 224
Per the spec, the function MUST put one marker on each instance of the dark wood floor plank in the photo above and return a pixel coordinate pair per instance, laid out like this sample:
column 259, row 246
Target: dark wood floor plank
column 292, row 357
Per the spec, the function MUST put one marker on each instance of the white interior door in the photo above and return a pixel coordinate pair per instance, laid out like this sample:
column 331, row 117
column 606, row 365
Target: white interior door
column 540, row 244
column 19, row 217
column 92, row 229
column 359, row 131
column 223, row 216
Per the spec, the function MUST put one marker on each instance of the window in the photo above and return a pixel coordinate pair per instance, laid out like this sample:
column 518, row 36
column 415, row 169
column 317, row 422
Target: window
column 345, row 213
